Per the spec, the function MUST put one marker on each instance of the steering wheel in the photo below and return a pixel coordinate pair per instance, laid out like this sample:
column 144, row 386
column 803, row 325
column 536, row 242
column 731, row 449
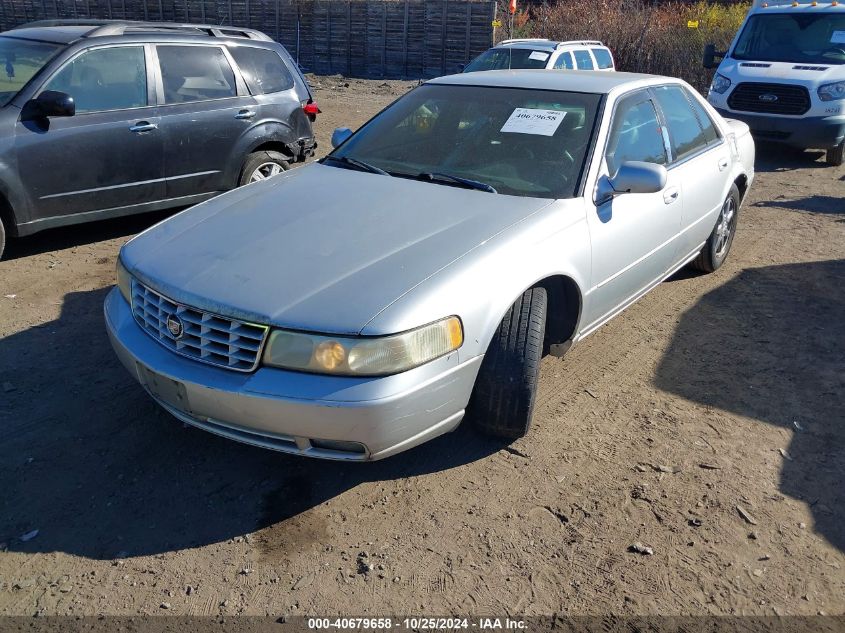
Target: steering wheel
column 836, row 50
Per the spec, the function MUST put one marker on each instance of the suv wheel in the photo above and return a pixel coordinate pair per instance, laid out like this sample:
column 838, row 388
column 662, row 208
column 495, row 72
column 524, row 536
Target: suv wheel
column 836, row 155
column 262, row 165
column 2, row 238
column 506, row 386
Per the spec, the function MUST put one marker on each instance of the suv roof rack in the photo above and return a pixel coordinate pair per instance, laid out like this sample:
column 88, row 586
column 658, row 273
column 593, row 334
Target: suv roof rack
column 555, row 43
column 581, row 42
column 104, row 28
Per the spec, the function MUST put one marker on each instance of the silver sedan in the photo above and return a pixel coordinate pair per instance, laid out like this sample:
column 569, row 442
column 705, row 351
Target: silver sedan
column 364, row 304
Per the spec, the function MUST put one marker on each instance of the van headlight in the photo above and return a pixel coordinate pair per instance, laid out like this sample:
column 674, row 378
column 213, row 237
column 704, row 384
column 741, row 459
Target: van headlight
column 720, row 84
column 124, row 281
column 832, row 92
column 363, row 356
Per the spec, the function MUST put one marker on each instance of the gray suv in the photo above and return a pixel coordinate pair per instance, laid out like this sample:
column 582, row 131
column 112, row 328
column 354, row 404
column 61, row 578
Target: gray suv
column 104, row 119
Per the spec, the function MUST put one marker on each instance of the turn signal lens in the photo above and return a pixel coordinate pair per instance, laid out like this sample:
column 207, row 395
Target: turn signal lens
column 124, row 281
column 363, row 356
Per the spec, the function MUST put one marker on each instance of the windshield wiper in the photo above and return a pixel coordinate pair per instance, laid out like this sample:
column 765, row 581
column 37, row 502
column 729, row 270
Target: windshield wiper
column 358, row 164
column 464, row 182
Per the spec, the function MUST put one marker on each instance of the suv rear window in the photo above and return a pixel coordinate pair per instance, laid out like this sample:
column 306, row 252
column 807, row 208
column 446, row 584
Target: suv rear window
column 583, row 60
column 263, row 70
column 509, row 57
column 603, row 57
column 195, row 73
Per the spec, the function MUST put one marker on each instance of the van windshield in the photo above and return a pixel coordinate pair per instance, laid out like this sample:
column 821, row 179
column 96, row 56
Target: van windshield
column 508, row 58
column 817, row 38
column 22, row 59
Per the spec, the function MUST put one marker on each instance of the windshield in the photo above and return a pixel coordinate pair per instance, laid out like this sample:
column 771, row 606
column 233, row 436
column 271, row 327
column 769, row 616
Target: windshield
column 517, row 142
column 508, row 58
column 22, row 59
column 816, row 38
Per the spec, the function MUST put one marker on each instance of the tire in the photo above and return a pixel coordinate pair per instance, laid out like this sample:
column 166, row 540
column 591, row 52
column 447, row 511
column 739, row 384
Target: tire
column 506, row 387
column 2, row 238
column 264, row 163
column 718, row 245
column 836, row 155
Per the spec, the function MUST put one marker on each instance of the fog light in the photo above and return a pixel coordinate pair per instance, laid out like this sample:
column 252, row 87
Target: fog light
column 339, row 445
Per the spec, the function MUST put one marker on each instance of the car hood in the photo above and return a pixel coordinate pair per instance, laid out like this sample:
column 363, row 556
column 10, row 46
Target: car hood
column 318, row 248
column 802, row 73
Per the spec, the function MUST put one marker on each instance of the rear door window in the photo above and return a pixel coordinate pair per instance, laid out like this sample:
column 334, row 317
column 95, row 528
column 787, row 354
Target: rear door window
column 685, row 132
column 603, row 58
column 262, row 69
column 195, row 73
column 583, row 60
column 103, row 79
column 564, row 62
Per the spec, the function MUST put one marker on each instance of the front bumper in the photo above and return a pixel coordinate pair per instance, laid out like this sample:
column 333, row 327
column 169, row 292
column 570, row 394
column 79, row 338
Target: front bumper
column 288, row 411
column 804, row 132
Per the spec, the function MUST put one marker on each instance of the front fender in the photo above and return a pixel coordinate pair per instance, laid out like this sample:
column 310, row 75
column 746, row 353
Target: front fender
column 482, row 285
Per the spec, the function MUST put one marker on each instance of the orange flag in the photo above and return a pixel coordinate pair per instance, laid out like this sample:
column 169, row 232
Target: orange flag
column 512, row 6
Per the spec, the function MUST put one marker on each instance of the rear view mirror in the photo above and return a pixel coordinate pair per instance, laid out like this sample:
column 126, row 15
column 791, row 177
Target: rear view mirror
column 632, row 177
column 340, row 135
column 710, row 56
column 49, row 103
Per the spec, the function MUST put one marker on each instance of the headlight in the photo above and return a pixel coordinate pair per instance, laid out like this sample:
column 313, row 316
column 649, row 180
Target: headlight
column 720, row 84
column 363, row 356
column 124, row 281
column 832, row 92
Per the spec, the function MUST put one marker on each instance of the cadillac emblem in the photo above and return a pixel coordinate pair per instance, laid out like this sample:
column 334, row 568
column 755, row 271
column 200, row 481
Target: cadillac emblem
column 174, row 326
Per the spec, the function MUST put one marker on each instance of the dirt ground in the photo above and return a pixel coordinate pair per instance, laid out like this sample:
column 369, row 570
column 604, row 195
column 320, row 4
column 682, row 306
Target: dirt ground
column 706, row 423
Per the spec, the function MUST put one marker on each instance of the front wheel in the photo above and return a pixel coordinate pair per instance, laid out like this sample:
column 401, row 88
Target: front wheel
column 836, row 155
column 2, row 238
column 506, row 387
column 718, row 245
column 261, row 166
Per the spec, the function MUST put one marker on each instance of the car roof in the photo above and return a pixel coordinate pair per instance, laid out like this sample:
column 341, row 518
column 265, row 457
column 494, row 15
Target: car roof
column 71, row 30
column 52, row 34
column 593, row 81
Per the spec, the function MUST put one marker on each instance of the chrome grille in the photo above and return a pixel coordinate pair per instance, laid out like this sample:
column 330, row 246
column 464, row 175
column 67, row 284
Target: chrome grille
column 772, row 98
column 206, row 337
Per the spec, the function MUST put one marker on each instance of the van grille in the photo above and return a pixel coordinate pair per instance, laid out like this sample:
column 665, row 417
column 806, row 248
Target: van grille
column 206, row 337
column 770, row 98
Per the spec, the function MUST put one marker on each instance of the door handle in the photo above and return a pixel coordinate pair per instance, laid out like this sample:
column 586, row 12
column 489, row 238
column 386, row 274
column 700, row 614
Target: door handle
column 143, row 126
column 723, row 164
column 670, row 195
column 245, row 114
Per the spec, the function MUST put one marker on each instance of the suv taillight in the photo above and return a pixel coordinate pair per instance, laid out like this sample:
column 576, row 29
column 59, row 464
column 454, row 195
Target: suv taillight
column 311, row 110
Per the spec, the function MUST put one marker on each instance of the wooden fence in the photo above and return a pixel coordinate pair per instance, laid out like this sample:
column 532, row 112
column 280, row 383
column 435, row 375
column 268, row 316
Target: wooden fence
column 357, row 38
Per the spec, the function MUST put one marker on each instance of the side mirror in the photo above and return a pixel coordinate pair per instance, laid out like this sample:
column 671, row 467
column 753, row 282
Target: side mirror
column 49, row 103
column 710, row 56
column 340, row 135
column 633, row 176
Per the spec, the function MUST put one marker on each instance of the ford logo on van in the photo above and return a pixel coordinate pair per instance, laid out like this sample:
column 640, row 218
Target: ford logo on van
column 768, row 98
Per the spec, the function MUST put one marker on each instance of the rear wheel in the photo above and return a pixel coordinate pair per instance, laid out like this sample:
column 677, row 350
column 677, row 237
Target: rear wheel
column 506, row 387
column 2, row 238
column 836, row 155
column 718, row 245
column 263, row 165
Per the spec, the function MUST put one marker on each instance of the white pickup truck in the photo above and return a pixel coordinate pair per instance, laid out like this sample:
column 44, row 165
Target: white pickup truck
column 784, row 74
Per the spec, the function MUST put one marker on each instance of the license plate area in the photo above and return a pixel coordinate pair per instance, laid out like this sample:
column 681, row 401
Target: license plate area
column 165, row 389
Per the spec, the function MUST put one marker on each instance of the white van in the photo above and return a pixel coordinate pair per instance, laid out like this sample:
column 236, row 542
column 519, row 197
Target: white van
column 784, row 74
column 542, row 53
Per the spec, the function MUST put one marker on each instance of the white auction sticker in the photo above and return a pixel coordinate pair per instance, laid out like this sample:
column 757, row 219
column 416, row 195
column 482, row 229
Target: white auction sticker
column 838, row 37
column 532, row 121
column 538, row 55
